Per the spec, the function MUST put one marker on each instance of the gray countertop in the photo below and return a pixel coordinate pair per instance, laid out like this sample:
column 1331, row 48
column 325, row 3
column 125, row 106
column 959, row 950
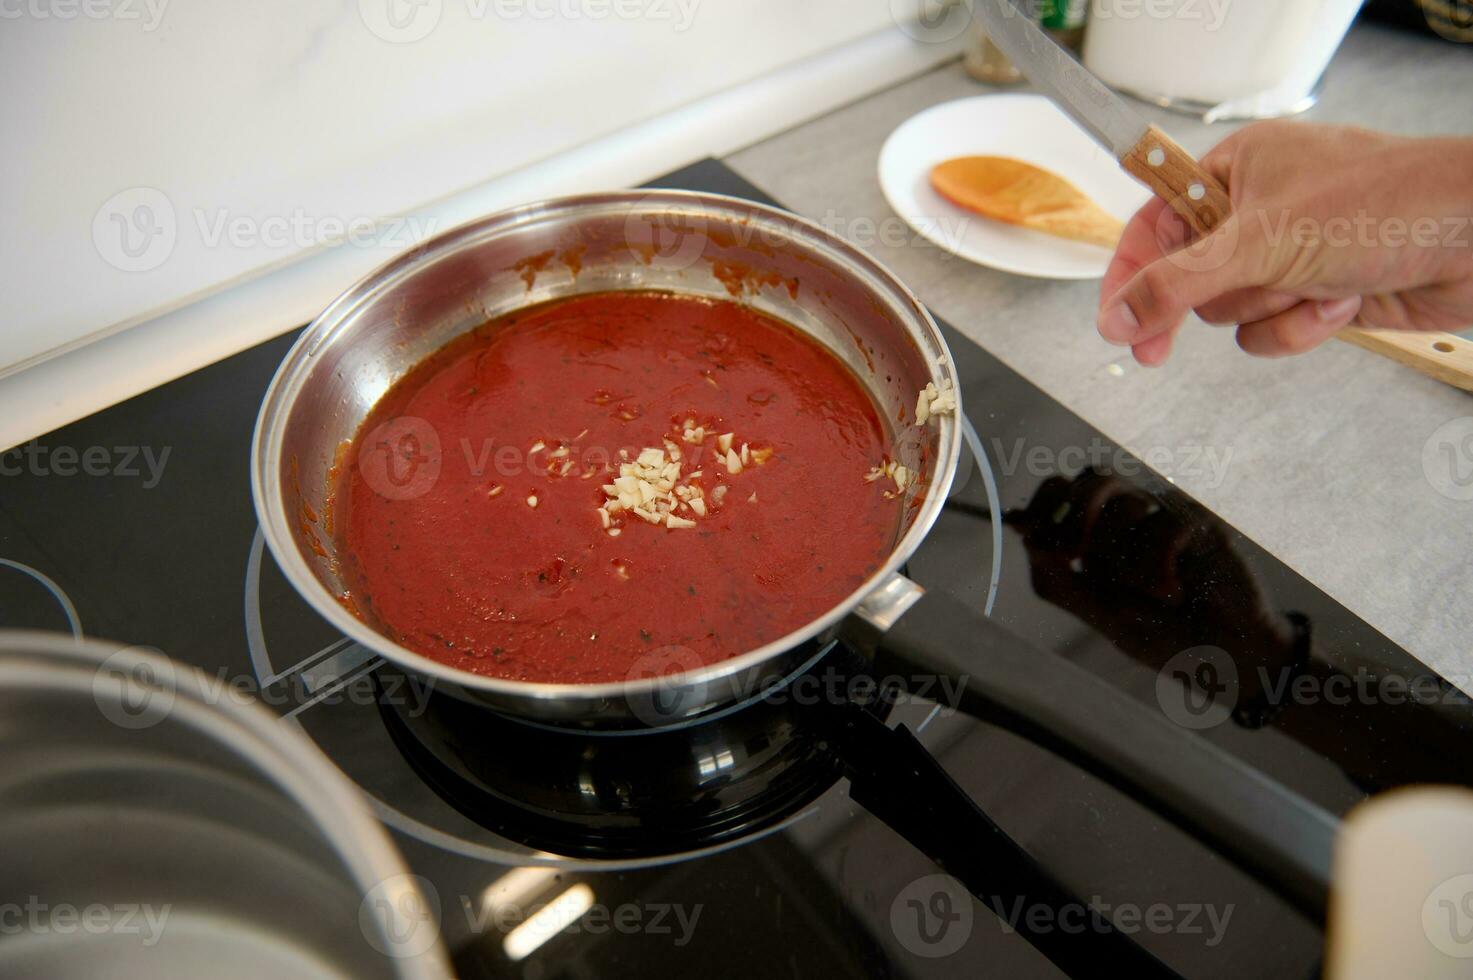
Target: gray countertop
column 1324, row 452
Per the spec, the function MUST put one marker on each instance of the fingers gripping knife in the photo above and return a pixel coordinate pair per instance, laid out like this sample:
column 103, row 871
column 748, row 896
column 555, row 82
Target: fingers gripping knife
column 1173, row 175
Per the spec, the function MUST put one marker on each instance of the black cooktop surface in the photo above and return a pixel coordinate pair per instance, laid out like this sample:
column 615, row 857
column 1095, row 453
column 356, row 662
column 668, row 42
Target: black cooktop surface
column 136, row 525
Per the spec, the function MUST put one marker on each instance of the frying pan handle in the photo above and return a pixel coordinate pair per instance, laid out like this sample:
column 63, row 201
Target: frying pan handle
column 893, row 777
column 1265, row 828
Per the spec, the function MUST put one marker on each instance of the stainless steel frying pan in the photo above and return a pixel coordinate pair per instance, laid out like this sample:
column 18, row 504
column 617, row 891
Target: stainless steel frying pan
column 715, row 246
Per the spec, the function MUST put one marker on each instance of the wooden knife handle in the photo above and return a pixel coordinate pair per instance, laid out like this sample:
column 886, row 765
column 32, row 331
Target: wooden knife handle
column 1176, row 177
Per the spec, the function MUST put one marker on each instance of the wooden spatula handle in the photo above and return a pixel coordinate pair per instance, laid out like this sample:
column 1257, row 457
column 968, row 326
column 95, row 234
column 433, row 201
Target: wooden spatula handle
column 1444, row 356
column 1176, row 177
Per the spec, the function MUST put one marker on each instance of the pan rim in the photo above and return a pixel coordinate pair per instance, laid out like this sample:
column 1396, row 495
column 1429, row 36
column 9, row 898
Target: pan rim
column 267, row 439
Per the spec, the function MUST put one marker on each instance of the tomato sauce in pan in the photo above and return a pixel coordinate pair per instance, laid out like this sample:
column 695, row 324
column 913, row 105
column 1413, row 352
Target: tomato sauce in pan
column 470, row 519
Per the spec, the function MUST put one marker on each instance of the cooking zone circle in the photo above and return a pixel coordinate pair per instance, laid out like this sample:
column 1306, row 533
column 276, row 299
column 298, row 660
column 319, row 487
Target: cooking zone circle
column 360, row 724
column 478, row 327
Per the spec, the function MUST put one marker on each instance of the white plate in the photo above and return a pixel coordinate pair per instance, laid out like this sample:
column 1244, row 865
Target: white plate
column 1024, row 127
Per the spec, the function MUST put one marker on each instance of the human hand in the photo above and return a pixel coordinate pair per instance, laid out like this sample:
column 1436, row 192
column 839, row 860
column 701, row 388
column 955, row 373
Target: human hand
column 1330, row 226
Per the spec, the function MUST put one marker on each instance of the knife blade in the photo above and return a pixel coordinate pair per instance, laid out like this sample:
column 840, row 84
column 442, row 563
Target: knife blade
column 1102, row 113
column 1144, row 151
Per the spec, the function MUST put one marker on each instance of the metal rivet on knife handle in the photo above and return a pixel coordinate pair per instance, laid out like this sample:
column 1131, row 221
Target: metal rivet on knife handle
column 1177, row 178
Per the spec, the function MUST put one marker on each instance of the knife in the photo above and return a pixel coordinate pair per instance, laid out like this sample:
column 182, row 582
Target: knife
column 1175, row 176
column 1146, row 153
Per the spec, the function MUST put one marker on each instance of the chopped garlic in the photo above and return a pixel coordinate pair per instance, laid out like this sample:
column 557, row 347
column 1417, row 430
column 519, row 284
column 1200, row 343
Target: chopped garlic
column 603, row 516
column 494, row 490
column 933, row 402
column 537, row 446
column 613, row 532
column 902, row 475
column 651, row 485
column 532, row 500
column 752, row 499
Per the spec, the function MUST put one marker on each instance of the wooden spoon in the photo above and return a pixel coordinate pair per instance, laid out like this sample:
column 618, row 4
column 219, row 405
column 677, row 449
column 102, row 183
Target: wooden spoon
column 1021, row 194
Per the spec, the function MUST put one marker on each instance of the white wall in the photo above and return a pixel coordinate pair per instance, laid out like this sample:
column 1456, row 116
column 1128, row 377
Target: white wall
column 255, row 130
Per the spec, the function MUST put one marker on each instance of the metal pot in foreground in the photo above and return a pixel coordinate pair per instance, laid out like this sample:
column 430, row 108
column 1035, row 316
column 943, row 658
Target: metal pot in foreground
column 155, row 827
